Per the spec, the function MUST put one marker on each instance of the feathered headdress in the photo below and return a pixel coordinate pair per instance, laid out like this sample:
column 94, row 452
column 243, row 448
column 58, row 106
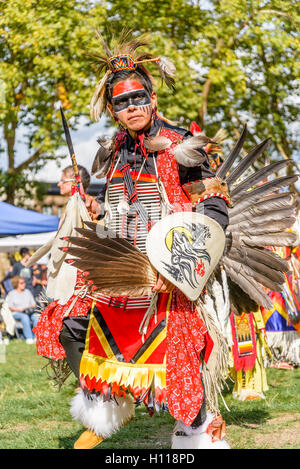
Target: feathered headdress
column 122, row 55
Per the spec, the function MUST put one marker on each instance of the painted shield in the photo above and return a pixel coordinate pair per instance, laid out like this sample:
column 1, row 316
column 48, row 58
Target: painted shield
column 185, row 248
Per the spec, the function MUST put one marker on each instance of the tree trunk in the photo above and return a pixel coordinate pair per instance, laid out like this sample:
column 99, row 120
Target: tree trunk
column 11, row 192
column 10, row 138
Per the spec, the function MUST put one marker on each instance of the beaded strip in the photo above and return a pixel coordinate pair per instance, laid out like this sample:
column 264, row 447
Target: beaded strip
column 208, row 196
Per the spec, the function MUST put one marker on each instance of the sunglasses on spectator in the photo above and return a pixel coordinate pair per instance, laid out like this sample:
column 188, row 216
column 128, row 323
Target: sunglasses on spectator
column 66, row 180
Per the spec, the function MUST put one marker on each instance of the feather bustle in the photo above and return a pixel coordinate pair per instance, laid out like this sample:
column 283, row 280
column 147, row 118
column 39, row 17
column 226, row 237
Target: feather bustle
column 278, row 239
column 253, row 268
column 225, row 167
column 262, row 217
column 249, row 159
column 256, row 195
column 189, row 154
column 257, row 177
column 252, row 229
column 263, row 256
column 266, row 204
column 247, row 284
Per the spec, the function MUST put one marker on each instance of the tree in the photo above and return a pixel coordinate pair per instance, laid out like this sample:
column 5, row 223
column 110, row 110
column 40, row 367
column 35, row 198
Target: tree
column 237, row 61
column 43, row 66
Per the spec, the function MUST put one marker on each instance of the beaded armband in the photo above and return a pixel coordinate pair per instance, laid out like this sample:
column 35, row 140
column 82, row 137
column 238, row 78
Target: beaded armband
column 198, row 191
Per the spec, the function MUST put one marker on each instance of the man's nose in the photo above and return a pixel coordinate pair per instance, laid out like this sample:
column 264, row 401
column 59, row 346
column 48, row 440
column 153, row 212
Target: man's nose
column 131, row 104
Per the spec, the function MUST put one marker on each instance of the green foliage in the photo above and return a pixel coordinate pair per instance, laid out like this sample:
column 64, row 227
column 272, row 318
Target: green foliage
column 43, row 66
column 237, row 61
column 27, row 187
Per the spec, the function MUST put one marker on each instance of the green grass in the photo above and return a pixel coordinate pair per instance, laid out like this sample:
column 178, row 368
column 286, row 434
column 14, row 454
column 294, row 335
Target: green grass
column 34, row 415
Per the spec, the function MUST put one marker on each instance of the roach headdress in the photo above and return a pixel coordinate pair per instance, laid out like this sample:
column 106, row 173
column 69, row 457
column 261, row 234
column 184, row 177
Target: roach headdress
column 122, row 55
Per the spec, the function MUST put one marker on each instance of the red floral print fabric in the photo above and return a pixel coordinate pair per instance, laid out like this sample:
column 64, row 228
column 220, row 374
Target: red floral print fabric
column 185, row 341
column 187, row 334
column 167, row 168
column 50, row 324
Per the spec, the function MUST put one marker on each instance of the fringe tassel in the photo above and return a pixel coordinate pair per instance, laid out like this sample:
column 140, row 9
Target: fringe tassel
column 215, row 371
column 58, row 371
column 285, row 346
column 138, row 378
column 148, row 315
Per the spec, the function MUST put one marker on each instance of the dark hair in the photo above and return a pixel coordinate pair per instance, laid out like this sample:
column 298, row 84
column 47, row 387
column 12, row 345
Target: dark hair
column 84, row 175
column 24, row 251
column 140, row 73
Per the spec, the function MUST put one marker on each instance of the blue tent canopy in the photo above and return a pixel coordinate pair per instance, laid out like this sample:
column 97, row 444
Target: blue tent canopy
column 16, row 220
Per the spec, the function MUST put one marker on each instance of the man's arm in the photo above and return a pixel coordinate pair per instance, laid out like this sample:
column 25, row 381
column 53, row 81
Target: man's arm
column 213, row 207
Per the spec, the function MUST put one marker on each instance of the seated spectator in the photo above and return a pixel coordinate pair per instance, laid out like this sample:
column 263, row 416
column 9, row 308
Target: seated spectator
column 19, row 268
column 22, row 304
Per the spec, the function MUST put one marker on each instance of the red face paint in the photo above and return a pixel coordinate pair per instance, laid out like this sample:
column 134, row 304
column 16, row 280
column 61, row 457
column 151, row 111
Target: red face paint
column 126, row 87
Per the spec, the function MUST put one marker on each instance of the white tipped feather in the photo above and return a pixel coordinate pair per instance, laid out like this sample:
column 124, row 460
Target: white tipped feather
column 98, row 103
column 167, row 66
column 189, row 154
column 157, row 143
column 167, row 71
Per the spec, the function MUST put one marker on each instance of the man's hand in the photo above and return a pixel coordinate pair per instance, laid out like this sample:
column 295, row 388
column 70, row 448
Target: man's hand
column 93, row 207
column 163, row 285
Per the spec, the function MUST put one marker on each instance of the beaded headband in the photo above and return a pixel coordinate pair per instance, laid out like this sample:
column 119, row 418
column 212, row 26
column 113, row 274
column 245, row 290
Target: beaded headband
column 123, row 57
column 121, row 62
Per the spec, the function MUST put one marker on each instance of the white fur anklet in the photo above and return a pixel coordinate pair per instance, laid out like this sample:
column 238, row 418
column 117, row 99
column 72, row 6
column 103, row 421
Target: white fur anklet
column 185, row 437
column 103, row 418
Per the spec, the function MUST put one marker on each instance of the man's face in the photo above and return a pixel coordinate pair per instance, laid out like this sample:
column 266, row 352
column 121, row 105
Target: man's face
column 132, row 104
column 65, row 184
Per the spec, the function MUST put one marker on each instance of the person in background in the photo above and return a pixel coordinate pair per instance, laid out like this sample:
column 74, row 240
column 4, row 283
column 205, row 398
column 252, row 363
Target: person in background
column 19, row 269
column 22, row 304
column 39, row 281
column 68, row 180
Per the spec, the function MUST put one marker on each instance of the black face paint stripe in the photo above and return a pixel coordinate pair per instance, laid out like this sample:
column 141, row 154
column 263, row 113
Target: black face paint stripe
column 140, row 99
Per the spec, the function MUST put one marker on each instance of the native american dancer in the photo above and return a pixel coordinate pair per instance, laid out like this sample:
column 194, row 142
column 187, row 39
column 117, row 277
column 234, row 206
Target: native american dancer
column 169, row 228
column 282, row 321
column 249, row 353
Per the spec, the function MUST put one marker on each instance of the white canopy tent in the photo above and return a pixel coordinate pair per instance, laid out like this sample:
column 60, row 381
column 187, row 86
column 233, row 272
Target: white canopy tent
column 30, row 241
